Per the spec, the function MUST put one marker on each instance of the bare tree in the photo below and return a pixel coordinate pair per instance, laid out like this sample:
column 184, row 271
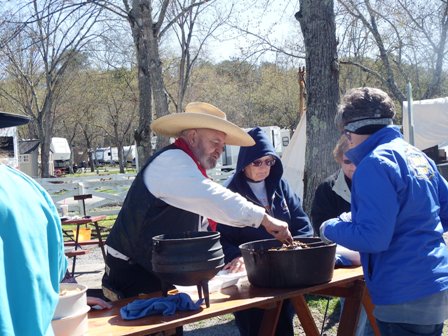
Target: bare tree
column 403, row 41
column 148, row 22
column 120, row 102
column 191, row 40
column 38, row 56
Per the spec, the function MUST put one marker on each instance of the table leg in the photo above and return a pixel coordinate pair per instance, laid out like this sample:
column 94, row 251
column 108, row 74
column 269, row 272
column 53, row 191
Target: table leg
column 100, row 240
column 270, row 319
column 304, row 315
column 352, row 308
column 368, row 306
column 76, row 247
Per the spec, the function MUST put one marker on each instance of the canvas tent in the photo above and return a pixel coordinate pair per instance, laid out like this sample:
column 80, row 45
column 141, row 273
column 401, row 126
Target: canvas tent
column 430, row 122
column 293, row 158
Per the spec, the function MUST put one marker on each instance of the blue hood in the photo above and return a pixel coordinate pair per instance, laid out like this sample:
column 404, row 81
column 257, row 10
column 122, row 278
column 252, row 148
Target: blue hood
column 262, row 147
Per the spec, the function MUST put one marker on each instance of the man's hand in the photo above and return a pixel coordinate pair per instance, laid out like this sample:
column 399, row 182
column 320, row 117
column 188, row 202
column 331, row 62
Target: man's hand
column 279, row 229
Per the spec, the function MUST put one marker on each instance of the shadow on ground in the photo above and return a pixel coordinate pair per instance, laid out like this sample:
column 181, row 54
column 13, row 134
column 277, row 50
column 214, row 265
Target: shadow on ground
column 227, row 328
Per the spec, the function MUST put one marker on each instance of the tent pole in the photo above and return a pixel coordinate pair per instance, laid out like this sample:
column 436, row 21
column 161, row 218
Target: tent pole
column 410, row 115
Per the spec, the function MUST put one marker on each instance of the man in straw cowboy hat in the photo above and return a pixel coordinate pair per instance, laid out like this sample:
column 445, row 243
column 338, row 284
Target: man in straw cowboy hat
column 172, row 194
column 32, row 260
column 399, row 212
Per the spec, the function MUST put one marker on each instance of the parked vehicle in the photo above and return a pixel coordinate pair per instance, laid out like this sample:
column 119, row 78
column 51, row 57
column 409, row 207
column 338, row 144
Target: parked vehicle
column 60, row 153
column 111, row 155
column 129, row 153
column 9, row 148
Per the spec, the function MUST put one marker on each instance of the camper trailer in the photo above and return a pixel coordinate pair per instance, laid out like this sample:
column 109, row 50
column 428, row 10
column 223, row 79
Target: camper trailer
column 286, row 137
column 129, row 153
column 9, row 149
column 111, row 155
column 275, row 135
column 61, row 153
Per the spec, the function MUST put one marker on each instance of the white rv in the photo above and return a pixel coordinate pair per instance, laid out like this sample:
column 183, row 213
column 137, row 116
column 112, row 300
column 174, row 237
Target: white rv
column 60, row 152
column 129, row 153
column 111, row 155
column 9, row 148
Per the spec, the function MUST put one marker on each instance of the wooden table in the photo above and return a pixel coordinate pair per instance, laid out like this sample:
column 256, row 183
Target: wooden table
column 84, row 221
column 346, row 282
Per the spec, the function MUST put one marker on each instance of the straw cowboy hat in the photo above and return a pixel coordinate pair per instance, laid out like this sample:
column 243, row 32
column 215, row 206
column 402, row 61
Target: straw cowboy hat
column 10, row 120
column 201, row 115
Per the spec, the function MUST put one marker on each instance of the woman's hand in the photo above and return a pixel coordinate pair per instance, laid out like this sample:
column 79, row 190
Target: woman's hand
column 236, row 265
column 94, row 301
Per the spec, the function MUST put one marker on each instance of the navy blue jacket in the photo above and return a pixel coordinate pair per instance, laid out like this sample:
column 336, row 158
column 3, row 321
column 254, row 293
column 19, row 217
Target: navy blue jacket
column 284, row 203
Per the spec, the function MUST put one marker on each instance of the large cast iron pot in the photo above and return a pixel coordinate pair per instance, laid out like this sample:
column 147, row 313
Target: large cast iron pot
column 269, row 266
column 187, row 258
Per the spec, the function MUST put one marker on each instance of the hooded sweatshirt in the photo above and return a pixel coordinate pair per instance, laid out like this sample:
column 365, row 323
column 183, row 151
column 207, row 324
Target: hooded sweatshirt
column 284, row 204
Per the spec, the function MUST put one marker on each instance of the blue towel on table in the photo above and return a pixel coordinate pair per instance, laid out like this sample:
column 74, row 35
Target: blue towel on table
column 160, row 305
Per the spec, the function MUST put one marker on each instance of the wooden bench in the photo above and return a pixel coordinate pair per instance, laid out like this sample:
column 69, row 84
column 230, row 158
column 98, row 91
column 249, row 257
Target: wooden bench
column 75, row 253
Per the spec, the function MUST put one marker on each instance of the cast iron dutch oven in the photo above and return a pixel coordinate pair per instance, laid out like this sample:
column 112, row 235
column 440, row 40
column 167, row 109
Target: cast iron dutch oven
column 187, row 258
column 268, row 265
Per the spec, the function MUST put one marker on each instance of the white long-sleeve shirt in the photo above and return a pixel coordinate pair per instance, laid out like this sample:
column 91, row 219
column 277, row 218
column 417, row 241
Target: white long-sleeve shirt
column 174, row 178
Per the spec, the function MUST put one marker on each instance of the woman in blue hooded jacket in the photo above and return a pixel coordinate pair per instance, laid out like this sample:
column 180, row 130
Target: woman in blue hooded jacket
column 258, row 177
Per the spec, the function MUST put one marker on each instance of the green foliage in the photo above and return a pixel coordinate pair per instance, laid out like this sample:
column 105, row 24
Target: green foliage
column 251, row 95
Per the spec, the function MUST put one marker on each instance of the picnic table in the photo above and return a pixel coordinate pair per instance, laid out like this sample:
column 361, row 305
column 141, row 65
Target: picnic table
column 73, row 238
column 346, row 282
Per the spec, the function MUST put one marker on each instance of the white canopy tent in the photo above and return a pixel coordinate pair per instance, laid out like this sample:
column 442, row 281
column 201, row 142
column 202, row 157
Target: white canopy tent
column 293, row 158
column 430, row 122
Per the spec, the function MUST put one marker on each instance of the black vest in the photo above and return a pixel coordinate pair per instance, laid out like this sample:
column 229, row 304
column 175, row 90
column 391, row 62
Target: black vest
column 144, row 216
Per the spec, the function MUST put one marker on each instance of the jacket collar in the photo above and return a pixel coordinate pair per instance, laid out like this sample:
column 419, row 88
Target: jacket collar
column 386, row 134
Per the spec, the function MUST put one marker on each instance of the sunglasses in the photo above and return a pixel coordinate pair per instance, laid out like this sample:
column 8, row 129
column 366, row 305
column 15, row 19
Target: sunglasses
column 259, row 163
column 347, row 162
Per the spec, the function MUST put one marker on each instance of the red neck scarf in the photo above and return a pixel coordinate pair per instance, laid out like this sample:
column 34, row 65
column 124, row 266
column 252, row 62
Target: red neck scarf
column 181, row 144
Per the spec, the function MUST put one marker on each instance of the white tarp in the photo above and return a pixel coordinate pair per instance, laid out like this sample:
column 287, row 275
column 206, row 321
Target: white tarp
column 293, row 158
column 430, row 120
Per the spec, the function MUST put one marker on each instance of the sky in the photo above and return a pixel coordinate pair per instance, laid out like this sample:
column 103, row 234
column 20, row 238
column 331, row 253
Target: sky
column 276, row 21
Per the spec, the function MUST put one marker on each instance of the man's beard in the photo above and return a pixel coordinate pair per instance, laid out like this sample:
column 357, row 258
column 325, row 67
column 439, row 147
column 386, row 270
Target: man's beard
column 206, row 161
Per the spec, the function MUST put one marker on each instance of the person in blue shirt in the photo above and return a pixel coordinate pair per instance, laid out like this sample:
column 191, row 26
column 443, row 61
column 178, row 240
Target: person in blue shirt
column 399, row 212
column 258, row 177
column 32, row 260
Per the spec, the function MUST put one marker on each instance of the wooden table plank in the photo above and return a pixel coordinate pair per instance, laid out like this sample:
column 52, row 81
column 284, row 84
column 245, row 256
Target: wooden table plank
column 228, row 300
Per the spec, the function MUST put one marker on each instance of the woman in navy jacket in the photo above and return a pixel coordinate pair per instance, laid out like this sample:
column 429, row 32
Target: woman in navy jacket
column 258, row 177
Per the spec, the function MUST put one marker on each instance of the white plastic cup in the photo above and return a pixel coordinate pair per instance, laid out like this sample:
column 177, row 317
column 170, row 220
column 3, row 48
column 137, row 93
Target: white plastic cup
column 64, row 210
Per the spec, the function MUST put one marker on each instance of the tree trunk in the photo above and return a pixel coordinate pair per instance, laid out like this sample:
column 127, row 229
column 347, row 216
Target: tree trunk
column 141, row 26
column 317, row 21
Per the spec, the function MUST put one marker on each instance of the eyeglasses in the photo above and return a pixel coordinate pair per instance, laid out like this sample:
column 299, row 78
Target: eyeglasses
column 348, row 135
column 259, row 163
column 347, row 162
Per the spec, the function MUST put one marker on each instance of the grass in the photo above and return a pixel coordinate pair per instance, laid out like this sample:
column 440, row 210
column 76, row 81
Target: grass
column 106, row 223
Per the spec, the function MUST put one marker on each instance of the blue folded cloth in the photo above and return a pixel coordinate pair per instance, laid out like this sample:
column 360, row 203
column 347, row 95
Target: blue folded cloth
column 161, row 305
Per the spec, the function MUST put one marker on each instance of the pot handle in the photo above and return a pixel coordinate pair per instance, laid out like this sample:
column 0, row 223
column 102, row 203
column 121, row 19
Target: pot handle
column 156, row 246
